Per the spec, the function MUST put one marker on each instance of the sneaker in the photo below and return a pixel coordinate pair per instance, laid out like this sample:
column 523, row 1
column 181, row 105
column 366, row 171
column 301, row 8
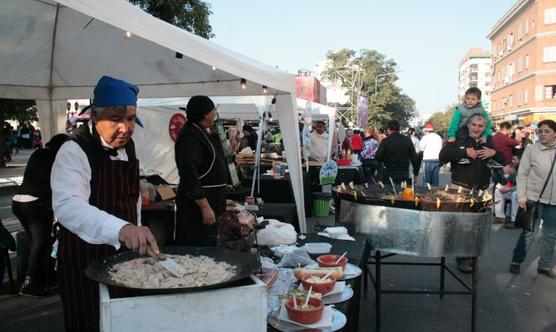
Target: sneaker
column 514, row 268
column 499, row 220
column 31, row 289
column 464, row 161
column 509, row 225
column 549, row 273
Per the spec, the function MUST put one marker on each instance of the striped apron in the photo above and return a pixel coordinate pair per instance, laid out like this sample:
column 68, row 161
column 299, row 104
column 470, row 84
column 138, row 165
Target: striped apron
column 116, row 191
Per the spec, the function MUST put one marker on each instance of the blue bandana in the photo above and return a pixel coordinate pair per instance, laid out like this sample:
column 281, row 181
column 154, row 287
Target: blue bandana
column 113, row 92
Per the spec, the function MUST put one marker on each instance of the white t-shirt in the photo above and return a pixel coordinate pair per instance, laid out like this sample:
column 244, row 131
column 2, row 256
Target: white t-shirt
column 431, row 144
column 319, row 146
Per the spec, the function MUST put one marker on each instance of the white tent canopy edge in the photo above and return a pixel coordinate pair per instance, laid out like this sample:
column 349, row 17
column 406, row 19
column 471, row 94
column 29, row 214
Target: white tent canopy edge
column 68, row 61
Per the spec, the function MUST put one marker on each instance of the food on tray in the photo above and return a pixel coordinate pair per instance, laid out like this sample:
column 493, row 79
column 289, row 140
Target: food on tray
column 300, row 294
column 309, row 314
column 301, row 272
column 147, row 273
column 451, row 199
column 318, row 284
column 332, row 261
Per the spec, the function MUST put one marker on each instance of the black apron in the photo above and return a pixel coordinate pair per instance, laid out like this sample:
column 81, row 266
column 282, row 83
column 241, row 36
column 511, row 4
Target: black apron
column 115, row 190
column 190, row 229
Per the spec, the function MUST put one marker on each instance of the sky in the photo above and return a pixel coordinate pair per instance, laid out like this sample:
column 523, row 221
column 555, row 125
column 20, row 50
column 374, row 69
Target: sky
column 426, row 38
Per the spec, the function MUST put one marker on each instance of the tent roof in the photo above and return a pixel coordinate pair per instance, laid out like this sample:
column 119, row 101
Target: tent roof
column 89, row 42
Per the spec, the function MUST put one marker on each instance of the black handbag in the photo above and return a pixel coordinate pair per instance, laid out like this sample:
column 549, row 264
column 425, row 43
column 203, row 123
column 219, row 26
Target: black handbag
column 525, row 218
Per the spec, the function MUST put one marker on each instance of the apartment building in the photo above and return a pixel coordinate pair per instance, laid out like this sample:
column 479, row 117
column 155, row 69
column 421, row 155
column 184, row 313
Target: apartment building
column 475, row 70
column 524, row 63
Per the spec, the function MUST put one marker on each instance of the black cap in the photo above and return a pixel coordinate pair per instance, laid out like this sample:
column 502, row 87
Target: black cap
column 197, row 107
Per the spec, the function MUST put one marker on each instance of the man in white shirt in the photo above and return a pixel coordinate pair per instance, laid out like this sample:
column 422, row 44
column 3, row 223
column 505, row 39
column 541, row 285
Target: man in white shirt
column 431, row 144
column 319, row 142
column 95, row 197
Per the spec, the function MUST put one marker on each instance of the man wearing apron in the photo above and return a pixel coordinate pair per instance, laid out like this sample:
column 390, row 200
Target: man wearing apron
column 203, row 171
column 95, row 196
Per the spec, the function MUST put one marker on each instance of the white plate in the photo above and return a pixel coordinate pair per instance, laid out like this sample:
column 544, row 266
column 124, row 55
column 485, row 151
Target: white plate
column 351, row 271
column 339, row 297
column 339, row 320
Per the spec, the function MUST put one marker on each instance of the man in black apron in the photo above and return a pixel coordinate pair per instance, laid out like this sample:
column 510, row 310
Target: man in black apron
column 203, row 171
column 95, row 196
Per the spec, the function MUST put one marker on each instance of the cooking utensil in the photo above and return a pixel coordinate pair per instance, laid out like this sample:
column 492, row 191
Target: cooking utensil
column 245, row 264
column 169, row 264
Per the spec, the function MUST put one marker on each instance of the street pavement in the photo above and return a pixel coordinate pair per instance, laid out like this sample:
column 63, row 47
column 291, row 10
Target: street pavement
column 505, row 302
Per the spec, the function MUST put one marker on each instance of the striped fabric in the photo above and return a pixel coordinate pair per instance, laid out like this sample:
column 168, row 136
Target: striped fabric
column 116, row 191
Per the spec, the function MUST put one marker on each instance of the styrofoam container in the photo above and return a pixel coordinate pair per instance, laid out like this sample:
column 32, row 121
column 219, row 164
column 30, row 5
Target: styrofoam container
column 318, row 247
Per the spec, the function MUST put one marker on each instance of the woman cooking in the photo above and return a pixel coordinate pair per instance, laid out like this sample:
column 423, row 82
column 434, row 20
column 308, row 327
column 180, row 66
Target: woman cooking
column 201, row 164
column 534, row 170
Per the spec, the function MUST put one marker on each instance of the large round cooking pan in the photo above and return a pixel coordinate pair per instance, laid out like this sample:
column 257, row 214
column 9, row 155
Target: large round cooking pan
column 245, row 264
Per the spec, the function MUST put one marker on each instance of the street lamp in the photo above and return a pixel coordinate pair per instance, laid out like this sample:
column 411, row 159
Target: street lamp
column 383, row 75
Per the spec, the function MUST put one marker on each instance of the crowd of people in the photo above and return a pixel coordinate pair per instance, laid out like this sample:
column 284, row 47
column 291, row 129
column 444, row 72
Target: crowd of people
column 26, row 136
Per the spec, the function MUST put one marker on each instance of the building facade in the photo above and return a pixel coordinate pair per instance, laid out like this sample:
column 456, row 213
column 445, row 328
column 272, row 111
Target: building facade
column 475, row 70
column 524, row 63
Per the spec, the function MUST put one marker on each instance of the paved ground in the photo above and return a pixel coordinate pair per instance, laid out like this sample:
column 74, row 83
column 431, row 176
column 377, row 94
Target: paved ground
column 505, row 302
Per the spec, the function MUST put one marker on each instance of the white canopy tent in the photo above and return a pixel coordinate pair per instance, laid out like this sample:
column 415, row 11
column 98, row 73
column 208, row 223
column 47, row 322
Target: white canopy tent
column 54, row 50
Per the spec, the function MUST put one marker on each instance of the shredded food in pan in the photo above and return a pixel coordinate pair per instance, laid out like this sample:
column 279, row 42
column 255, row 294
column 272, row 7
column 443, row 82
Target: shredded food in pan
column 148, row 273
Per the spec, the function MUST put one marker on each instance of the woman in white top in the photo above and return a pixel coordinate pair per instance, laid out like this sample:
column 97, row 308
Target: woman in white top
column 533, row 172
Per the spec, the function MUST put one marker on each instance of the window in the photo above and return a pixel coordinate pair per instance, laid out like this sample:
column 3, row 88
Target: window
column 526, row 61
column 510, row 100
column 519, row 64
column 525, row 95
column 510, row 41
column 550, row 16
column 504, row 44
column 550, row 92
column 526, row 26
column 549, row 54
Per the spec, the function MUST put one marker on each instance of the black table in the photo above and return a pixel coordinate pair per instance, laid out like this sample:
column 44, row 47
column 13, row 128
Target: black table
column 283, row 212
column 160, row 218
column 357, row 254
column 280, row 190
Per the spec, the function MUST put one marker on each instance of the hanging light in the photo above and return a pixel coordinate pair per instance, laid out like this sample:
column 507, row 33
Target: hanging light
column 265, row 89
column 213, row 68
column 127, row 35
column 269, row 116
column 243, row 83
column 179, row 55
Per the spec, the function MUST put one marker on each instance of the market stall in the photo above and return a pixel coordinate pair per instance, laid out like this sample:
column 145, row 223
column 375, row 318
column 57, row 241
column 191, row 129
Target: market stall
column 421, row 222
column 58, row 58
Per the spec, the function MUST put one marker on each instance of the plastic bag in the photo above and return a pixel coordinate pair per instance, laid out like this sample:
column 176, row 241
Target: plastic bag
column 277, row 233
column 299, row 257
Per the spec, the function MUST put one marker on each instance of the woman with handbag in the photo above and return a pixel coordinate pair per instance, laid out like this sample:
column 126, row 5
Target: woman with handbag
column 536, row 191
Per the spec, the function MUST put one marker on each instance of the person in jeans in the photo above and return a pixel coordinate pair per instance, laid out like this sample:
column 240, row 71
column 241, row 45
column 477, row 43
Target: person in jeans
column 430, row 145
column 532, row 174
column 370, row 145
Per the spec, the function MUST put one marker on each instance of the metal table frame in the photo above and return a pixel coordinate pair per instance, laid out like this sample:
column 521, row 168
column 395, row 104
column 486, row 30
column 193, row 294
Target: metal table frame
column 377, row 260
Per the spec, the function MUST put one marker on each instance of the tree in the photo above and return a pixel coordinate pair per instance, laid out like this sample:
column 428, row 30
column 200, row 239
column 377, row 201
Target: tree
column 190, row 15
column 358, row 72
column 441, row 120
column 14, row 109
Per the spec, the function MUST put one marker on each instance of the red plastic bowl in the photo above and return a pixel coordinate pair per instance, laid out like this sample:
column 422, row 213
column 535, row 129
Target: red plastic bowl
column 305, row 316
column 330, row 261
column 319, row 287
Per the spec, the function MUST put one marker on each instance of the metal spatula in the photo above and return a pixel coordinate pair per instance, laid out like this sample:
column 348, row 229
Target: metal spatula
column 169, row 264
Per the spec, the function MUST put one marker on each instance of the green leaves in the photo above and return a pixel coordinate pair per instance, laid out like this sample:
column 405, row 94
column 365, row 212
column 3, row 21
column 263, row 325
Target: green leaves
column 190, row 15
column 363, row 72
column 441, row 120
